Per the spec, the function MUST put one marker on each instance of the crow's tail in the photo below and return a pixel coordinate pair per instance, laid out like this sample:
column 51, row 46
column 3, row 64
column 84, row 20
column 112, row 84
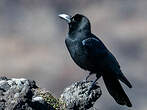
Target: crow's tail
column 115, row 89
column 124, row 80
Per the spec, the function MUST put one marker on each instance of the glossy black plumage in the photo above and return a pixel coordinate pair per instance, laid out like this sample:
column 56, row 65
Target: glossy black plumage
column 89, row 53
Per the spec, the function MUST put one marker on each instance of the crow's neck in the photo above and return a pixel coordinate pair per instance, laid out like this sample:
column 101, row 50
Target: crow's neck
column 83, row 32
column 79, row 34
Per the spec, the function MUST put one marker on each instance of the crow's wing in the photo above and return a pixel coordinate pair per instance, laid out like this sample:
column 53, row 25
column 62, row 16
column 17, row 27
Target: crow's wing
column 101, row 56
column 98, row 51
column 95, row 47
column 111, row 72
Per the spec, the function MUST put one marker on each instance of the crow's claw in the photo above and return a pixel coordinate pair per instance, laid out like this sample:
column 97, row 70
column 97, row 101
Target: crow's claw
column 88, row 76
column 92, row 85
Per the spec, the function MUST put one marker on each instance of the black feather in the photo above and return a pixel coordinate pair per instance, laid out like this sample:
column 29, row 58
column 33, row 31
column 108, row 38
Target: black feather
column 115, row 89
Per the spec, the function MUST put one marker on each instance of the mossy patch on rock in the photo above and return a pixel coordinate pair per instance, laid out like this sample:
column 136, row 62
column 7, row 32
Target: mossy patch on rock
column 50, row 99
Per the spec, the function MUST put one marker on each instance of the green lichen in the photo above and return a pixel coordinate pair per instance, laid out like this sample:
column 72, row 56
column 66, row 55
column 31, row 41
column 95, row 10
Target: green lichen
column 51, row 100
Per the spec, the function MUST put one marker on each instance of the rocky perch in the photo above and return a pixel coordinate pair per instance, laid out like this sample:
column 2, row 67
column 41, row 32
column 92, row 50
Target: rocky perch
column 23, row 94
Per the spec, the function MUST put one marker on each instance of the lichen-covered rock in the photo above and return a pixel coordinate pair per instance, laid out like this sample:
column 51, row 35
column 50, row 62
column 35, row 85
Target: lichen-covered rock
column 21, row 94
column 76, row 96
column 43, row 95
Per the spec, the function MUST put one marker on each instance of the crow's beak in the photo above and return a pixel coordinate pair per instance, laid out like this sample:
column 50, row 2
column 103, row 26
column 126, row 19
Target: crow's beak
column 65, row 17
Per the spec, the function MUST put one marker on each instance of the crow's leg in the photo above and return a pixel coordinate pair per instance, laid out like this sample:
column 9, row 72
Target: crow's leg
column 94, row 82
column 88, row 76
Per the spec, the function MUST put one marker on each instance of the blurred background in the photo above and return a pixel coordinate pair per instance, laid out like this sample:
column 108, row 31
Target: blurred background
column 32, row 43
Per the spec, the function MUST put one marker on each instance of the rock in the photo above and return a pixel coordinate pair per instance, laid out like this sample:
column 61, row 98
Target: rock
column 4, row 85
column 22, row 94
column 76, row 96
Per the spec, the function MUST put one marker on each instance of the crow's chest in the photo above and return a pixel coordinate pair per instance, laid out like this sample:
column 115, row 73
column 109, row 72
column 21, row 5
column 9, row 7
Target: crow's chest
column 78, row 54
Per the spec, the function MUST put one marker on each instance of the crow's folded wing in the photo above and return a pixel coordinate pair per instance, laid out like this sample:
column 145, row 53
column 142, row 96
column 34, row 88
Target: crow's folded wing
column 95, row 47
column 104, row 59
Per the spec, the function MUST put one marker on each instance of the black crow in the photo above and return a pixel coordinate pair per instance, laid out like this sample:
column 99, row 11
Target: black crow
column 89, row 53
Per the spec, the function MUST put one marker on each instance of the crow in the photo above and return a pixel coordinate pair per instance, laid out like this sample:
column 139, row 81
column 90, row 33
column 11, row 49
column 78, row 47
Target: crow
column 90, row 53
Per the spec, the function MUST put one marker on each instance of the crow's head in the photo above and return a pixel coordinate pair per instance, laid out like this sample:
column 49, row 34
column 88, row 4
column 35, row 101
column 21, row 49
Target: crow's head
column 76, row 23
